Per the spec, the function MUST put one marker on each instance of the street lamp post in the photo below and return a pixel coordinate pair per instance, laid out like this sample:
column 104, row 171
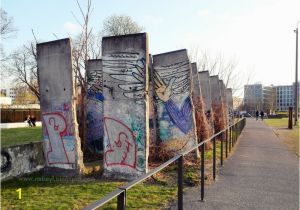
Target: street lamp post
column 296, row 77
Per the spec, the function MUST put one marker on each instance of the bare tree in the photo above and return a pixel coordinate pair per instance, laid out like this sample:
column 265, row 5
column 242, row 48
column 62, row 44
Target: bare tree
column 23, row 66
column 225, row 68
column 7, row 29
column 24, row 95
column 120, row 25
column 3, row 64
column 86, row 46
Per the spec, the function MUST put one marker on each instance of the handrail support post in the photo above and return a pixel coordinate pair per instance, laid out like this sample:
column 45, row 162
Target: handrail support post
column 180, row 183
column 226, row 140
column 214, row 158
column 122, row 201
column 202, row 170
column 222, row 138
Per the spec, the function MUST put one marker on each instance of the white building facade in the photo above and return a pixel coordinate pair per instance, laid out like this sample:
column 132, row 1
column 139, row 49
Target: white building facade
column 9, row 92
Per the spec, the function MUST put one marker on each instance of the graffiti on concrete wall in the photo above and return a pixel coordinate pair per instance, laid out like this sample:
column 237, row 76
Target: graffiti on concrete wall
column 94, row 77
column 204, row 82
column 126, row 71
column 95, row 111
column 124, row 125
column 95, row 126
column 61, row 143
column 122, row 146
column 58, row 136
column 5, row 161
column 174, row 107
column 18, row 160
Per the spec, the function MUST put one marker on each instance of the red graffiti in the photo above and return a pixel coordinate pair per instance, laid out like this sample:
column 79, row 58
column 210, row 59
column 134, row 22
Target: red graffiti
column 67, row 107
column 56, row 127
column 122, row 147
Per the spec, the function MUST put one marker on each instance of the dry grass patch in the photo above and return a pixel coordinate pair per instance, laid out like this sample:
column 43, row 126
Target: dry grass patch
column 289, row 136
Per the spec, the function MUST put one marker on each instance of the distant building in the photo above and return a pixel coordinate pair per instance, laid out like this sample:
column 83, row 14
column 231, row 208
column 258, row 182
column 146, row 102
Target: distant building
column 3, row 92
column 285, row 97
column 9, row 92
column 269, row 98
column 253, row 97
column 298, row 95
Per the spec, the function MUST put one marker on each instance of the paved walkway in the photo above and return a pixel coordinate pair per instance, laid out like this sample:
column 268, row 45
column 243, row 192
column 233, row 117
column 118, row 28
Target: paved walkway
column 261, row 174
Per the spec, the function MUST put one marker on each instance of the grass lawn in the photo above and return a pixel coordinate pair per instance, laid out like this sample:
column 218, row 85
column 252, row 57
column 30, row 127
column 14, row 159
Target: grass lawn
column 49, row 193
column 289, row 136
column 283, row 122
column 13, row 136
column 39, row 192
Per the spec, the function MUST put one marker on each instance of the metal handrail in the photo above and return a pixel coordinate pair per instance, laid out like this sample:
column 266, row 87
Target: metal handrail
column 150, row 173
column 207, row 140
column 105, row 199
column 120, row 193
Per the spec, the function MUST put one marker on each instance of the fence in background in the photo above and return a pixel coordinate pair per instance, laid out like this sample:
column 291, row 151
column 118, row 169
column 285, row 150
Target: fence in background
column 228, row 136
column 18, row 115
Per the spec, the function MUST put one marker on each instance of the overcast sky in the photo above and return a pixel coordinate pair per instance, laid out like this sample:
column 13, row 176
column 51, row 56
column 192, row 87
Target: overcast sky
column 257, row 33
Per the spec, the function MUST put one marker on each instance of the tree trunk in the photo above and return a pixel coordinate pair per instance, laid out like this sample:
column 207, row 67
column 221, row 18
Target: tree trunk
column 83, row 121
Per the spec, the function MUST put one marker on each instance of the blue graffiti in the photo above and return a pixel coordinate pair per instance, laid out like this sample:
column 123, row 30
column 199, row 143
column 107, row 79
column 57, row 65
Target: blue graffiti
column 95, row 130
column 95, row 121
column 95, row 95
column 69, row 143
column 182, row 118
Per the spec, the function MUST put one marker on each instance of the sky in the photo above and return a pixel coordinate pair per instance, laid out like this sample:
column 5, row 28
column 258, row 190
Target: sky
column 258, row 34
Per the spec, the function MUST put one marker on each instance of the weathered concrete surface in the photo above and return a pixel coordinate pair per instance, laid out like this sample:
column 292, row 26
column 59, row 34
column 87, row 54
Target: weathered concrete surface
column 21, row 159
column 215, row 90
column 261, row 174
column 94, row 107
column 223, row 91
column 62, row 147
column 172, row 77
column 229, row 103
column 224, row 101
column 217, row 104
column 204, row 81
column 197, row 101
column 229, row 98
column 153, row 120
column 126, row 106
column 195, row 81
